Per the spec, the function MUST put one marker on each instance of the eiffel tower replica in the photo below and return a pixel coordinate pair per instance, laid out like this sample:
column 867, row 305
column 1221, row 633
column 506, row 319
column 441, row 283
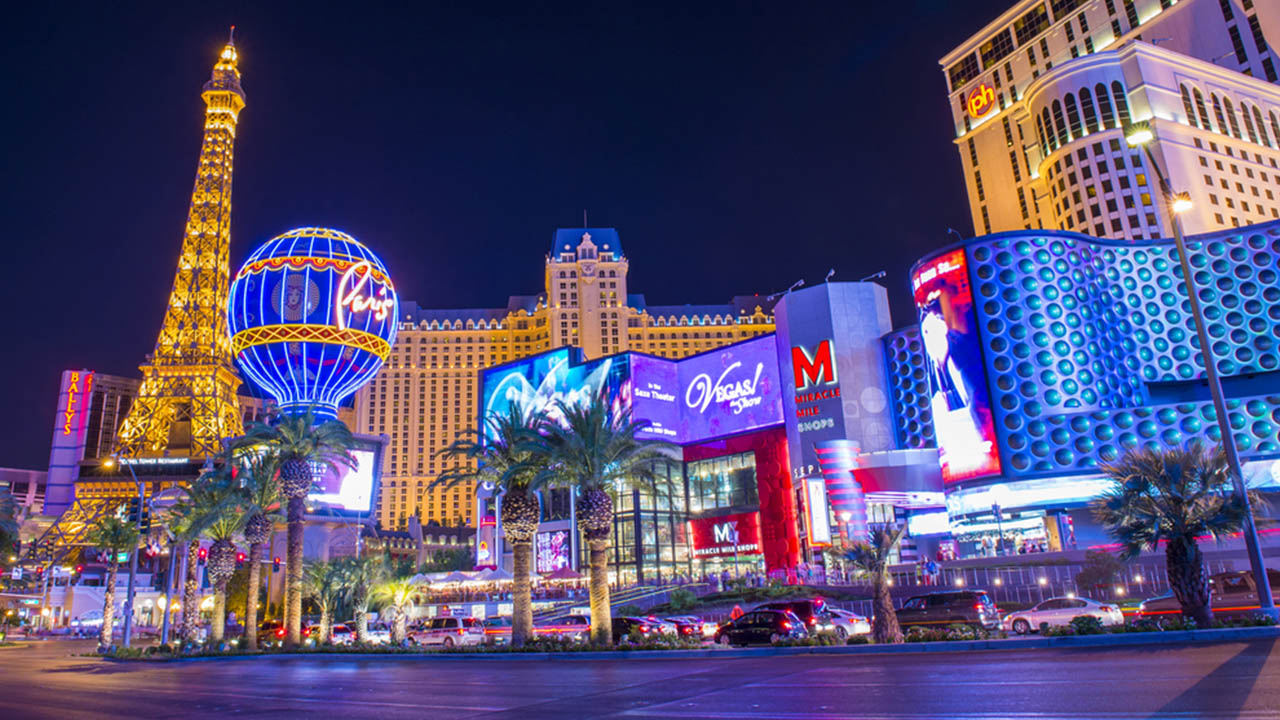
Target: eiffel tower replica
column 187, row 402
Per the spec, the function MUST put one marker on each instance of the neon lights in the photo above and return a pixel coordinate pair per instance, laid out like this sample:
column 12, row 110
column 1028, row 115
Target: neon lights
column 313, row 316
column 740, row 395
column 816, row 368
column 980, row 101
column 75, row 401
column 354, row 300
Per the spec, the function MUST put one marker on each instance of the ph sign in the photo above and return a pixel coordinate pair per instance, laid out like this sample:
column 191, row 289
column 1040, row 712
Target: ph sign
column 980, row 101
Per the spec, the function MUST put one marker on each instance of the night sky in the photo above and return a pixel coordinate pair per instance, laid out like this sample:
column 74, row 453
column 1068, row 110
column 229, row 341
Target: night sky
column 735, row 147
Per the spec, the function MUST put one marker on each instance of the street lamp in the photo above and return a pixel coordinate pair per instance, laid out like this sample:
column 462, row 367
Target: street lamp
column 127, row 632
column 1141, row 134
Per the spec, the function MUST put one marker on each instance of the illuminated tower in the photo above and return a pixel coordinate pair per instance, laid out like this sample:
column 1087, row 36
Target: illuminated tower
column 187, row 402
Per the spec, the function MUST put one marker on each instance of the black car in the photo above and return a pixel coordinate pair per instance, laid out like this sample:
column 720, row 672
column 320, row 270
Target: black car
column 812, row 613
column 624, row 626
column 965, row 607
column 761, row 626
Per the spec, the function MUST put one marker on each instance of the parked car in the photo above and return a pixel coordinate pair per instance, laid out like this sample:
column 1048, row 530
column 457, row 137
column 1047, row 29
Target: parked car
column 761, row 626
column 662, row 625
column 576, row 627
column 624, row 626
column 847, row 623
column 341, row 635
column 1232, row 594
column 379, row 633
column 813, row 612
column 1061, row 611
column 691, row 626
column 271, row 633
column 967, row 607
column 450, row 631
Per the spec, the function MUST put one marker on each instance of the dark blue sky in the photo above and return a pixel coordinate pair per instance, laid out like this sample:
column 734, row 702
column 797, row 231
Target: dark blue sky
column 735, row 147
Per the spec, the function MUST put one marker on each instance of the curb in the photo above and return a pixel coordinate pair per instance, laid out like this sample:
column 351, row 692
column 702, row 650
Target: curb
column 1171, row 637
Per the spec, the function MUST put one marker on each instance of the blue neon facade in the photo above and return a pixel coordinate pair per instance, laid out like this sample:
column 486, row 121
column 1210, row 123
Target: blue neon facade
column 313, row 316
column 1089, row 349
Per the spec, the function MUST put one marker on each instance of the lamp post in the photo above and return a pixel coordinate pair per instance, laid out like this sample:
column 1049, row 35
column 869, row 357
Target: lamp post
column 127, row 632
column 999, row 513
column 1141, row 134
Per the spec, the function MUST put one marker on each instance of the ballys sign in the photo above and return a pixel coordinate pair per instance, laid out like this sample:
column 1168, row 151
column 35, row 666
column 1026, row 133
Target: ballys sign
column 733, row 387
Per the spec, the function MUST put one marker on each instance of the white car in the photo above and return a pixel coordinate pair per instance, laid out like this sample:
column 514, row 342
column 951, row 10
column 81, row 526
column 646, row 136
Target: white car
column 663, row 626
column 1060, row 611
column 847, row 624
column 450, row 631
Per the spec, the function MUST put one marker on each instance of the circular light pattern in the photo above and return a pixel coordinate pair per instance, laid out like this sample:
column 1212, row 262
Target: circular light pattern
column 909, row 387
column 313, row 315
column 1079, row 334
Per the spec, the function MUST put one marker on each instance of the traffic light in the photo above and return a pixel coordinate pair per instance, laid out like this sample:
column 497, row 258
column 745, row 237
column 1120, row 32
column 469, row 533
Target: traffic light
column 131, row 511
column 275, row 565
column 202, row 555
column 144, row 521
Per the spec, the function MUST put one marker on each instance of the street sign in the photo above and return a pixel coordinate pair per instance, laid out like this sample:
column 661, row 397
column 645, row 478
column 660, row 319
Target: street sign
column 16, row 573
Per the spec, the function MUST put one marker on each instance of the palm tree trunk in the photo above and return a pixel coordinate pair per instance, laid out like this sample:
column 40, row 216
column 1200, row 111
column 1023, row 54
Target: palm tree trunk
column 521, row 593
column 218, row 627
column 190, row 611
column 293, row 573
column 398, row 628
column 598, row 589
column 109, row 607
column 326, row 625
column 251, row 600
column 1184, row 563
column 885, row 628
column 360, row 612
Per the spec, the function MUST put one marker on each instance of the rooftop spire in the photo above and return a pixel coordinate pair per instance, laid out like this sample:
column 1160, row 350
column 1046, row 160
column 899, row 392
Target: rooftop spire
column 232, row 39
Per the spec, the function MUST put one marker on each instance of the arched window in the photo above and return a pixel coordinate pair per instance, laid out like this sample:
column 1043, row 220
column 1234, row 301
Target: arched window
column 1044, row 146
column 1086, row 109
column 1104, row 106
column 1217, row 112
column 1262, row 127
column 1248, row 124
column 1204, row 114
column 1187, row 107
column 1073, row 116
column 1051, row 140
column 1122, row 103
column 1231, row 117
column 1058, row 124
column 1275, row 127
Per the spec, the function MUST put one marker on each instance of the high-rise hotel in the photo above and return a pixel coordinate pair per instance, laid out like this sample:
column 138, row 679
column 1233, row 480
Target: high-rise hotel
column 428, row 391
column 1041, row 96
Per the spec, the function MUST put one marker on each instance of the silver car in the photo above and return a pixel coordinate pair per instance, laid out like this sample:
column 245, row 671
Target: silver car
column 1060, row 611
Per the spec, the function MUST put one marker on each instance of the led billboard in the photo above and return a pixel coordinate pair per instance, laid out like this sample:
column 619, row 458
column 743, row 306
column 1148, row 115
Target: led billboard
column 729, row 390
column 551, row 551
column 347, row 490
column 539, row 383
column 960, row 403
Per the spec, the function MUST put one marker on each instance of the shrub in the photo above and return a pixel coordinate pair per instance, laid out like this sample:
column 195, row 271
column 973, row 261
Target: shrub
column 858, row 640
column 1087, row 625
column 682, row 599
column 628, row 610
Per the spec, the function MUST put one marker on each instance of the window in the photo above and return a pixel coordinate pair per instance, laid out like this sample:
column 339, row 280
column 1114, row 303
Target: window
column 1131, row 13
column 1122, row 104
column 963, row 71
column 1262, row 127
column 1086, row 108
column 1217, row 113
column 1058, row 123
column 1187, row 107
column 1238, row 44
column 1030, row 25
column 1231, row 118
column 1104, row 106
column 996, row 49
column 1073, row 116
column 1203, row 114
column 1248, row 124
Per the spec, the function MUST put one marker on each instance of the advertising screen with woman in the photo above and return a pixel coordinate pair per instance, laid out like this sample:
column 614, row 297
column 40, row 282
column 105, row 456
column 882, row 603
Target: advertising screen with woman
column 959, row 400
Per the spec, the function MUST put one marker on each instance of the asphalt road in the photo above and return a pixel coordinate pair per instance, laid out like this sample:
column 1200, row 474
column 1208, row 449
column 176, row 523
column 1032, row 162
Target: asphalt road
column 1208, row 681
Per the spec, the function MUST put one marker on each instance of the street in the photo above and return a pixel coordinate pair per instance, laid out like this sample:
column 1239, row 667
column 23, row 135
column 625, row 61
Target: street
column 1208, row 681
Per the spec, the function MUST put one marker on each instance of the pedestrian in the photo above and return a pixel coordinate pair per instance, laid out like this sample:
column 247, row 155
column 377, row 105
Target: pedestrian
column 736, row 612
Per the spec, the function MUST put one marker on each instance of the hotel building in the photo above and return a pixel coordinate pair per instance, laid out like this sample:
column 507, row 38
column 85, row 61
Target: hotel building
column 428, row 391
column 1040, row 98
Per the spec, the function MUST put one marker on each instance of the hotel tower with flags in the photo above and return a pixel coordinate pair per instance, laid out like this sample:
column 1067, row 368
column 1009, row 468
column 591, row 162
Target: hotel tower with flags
column 186, row 404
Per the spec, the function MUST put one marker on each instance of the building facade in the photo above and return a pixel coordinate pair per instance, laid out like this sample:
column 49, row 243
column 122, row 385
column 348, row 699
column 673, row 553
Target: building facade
column 1041, row 95
column 428, row 392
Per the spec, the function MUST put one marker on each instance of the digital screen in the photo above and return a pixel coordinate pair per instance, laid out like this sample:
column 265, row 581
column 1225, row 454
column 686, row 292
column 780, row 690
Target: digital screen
column 730, row 390
column 551, row 551
column 347, row 489
column 928, row 523
column 726, row 535
column 541, row 382
column 961, row 406
column 655, row 387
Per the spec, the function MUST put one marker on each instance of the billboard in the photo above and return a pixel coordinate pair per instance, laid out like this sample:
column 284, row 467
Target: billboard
column 539, row 383
column 551, row 551
column 727, row 535
column 655, row 390
column 344, row 489
column 959, row 400
column 70, row 423
column 730, row 390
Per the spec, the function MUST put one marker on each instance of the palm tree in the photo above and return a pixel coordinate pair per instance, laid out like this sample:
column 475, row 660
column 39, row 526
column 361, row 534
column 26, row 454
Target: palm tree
column 259, row 476
column 9, row 526
column 502, row 455
column 396, row 595
column 360, row 575
column 187, row 523
column 322, row 582
column 1173, row 495
column 301, row 445
column 111, row 536
column 593, row 449
column 872, row 558
column 222, row 501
